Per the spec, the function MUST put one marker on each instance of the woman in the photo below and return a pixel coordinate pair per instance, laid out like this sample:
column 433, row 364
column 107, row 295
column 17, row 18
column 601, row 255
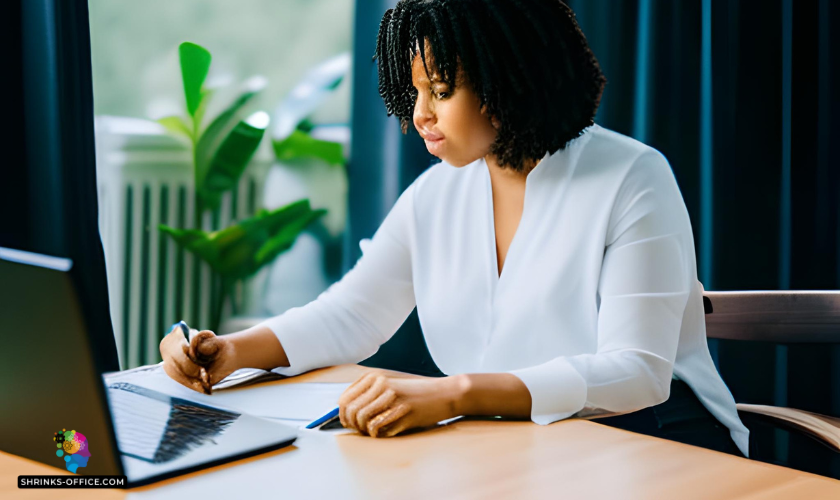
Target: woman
column 551, row 260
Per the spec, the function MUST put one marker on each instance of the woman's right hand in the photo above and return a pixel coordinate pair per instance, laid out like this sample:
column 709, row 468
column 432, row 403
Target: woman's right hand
column 198, row 363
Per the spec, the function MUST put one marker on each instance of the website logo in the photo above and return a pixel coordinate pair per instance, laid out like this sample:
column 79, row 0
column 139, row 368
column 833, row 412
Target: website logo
column 73, row 446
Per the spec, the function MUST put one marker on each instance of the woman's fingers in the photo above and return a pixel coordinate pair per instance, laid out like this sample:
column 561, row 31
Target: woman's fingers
column 356, row 388
column 177, row 375
column 365, row 380
column 184, row 363
column 349, row 402
column 204, row 377
column 213, row 354
column 177, row 363
column 394, row 429
column 203, row 347
column 380, row 404
column 390, row 422
column 376, row 387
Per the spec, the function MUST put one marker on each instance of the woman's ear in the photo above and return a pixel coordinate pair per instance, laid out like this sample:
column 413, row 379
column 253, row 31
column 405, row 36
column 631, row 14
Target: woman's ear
column 493, row 120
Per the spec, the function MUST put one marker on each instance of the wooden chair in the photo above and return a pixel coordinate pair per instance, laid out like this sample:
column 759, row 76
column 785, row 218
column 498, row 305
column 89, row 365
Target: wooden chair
column 784, row 317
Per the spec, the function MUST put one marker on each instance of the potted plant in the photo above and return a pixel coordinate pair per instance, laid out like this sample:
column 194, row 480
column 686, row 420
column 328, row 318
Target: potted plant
column 221, row 152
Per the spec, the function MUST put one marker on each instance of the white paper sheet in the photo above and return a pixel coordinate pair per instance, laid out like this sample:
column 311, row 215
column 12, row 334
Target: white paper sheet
column 303, row 402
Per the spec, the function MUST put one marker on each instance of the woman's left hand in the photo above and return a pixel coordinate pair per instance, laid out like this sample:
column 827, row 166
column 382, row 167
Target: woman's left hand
column 381, row 406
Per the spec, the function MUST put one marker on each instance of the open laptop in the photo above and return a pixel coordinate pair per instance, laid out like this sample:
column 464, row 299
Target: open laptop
column 49, row 383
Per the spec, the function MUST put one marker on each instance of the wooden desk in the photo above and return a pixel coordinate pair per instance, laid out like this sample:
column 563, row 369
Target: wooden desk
column 468, row 459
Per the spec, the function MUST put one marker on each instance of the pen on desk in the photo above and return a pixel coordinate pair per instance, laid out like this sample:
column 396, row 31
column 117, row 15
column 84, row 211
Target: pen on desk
column 329, row 416
column 205, row 382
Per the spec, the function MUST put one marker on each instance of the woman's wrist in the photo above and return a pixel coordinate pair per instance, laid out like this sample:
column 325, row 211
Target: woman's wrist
column 489, row 394
column 256, row 347
column 457, row 392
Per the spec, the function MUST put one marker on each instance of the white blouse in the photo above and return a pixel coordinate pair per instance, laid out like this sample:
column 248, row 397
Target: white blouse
column 597, row 307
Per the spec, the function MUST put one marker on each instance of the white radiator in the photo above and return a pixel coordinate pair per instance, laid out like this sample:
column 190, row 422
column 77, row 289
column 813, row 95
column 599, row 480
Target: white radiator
column 145, row 178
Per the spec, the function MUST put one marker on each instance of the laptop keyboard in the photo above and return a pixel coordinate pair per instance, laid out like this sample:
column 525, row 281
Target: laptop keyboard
column 158, row 428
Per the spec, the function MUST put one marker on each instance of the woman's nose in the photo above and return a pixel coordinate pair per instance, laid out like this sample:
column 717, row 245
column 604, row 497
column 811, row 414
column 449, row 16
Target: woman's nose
column 422, row 114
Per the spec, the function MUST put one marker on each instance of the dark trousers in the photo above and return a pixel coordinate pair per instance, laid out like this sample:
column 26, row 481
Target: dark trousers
column 681, row 418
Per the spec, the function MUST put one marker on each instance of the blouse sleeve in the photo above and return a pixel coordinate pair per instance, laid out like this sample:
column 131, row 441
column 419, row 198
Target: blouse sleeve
column 643, row 289
column 348, row 321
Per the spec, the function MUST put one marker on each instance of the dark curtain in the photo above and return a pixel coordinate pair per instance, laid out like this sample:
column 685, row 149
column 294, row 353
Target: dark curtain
column 383, row 163
column 48, row 198
column 742, row 97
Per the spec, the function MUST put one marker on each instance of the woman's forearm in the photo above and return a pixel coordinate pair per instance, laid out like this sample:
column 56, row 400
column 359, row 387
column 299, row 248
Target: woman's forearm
column 493, row 394
column 257, row 347
column 484, row 394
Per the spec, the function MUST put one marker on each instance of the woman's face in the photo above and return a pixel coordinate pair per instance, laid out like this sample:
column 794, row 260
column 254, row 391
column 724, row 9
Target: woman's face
column 452, row 123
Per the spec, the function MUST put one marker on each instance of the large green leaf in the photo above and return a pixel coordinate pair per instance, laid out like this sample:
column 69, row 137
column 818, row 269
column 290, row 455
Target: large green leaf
column 196, row 241
column 206, row 94
column 215, row 133
column 305, row 125
column 285, row 238
column 184, row 237
column 239, row 251
column 302, row 145
column 230, row 159
column 176, row 125
column 195, row 64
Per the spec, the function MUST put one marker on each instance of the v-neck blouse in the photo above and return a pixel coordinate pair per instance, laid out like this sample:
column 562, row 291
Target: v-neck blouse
column 597, row 307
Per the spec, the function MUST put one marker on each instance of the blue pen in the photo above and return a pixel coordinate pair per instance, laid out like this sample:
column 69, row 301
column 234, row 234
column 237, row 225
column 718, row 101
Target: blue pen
column 184, row 328
column 329, row 416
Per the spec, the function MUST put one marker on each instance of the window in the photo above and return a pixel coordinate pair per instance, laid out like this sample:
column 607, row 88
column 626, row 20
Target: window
column 146, row 173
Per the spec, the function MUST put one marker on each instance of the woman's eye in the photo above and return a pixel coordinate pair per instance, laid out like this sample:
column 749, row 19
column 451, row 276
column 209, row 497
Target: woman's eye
column 442, row 95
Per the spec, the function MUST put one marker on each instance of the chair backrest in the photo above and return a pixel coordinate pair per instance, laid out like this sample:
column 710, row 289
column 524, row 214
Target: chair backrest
column 783, row 316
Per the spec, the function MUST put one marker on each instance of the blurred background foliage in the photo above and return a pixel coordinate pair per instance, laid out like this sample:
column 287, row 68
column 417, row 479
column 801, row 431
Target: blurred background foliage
column 251, row 186
column 135, row 50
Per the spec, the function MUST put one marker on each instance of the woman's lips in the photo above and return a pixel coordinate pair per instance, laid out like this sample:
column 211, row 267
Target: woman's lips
column 435, row 146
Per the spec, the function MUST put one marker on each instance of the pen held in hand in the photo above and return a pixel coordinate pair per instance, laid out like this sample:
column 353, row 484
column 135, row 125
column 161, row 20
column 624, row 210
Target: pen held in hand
column 189, row 334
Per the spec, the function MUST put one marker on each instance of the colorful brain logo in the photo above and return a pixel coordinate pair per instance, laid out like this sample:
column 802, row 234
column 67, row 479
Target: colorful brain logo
column 73, row 446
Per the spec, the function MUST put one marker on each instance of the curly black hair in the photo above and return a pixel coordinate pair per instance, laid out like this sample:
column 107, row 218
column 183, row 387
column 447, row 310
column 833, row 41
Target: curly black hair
column 527, row 60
